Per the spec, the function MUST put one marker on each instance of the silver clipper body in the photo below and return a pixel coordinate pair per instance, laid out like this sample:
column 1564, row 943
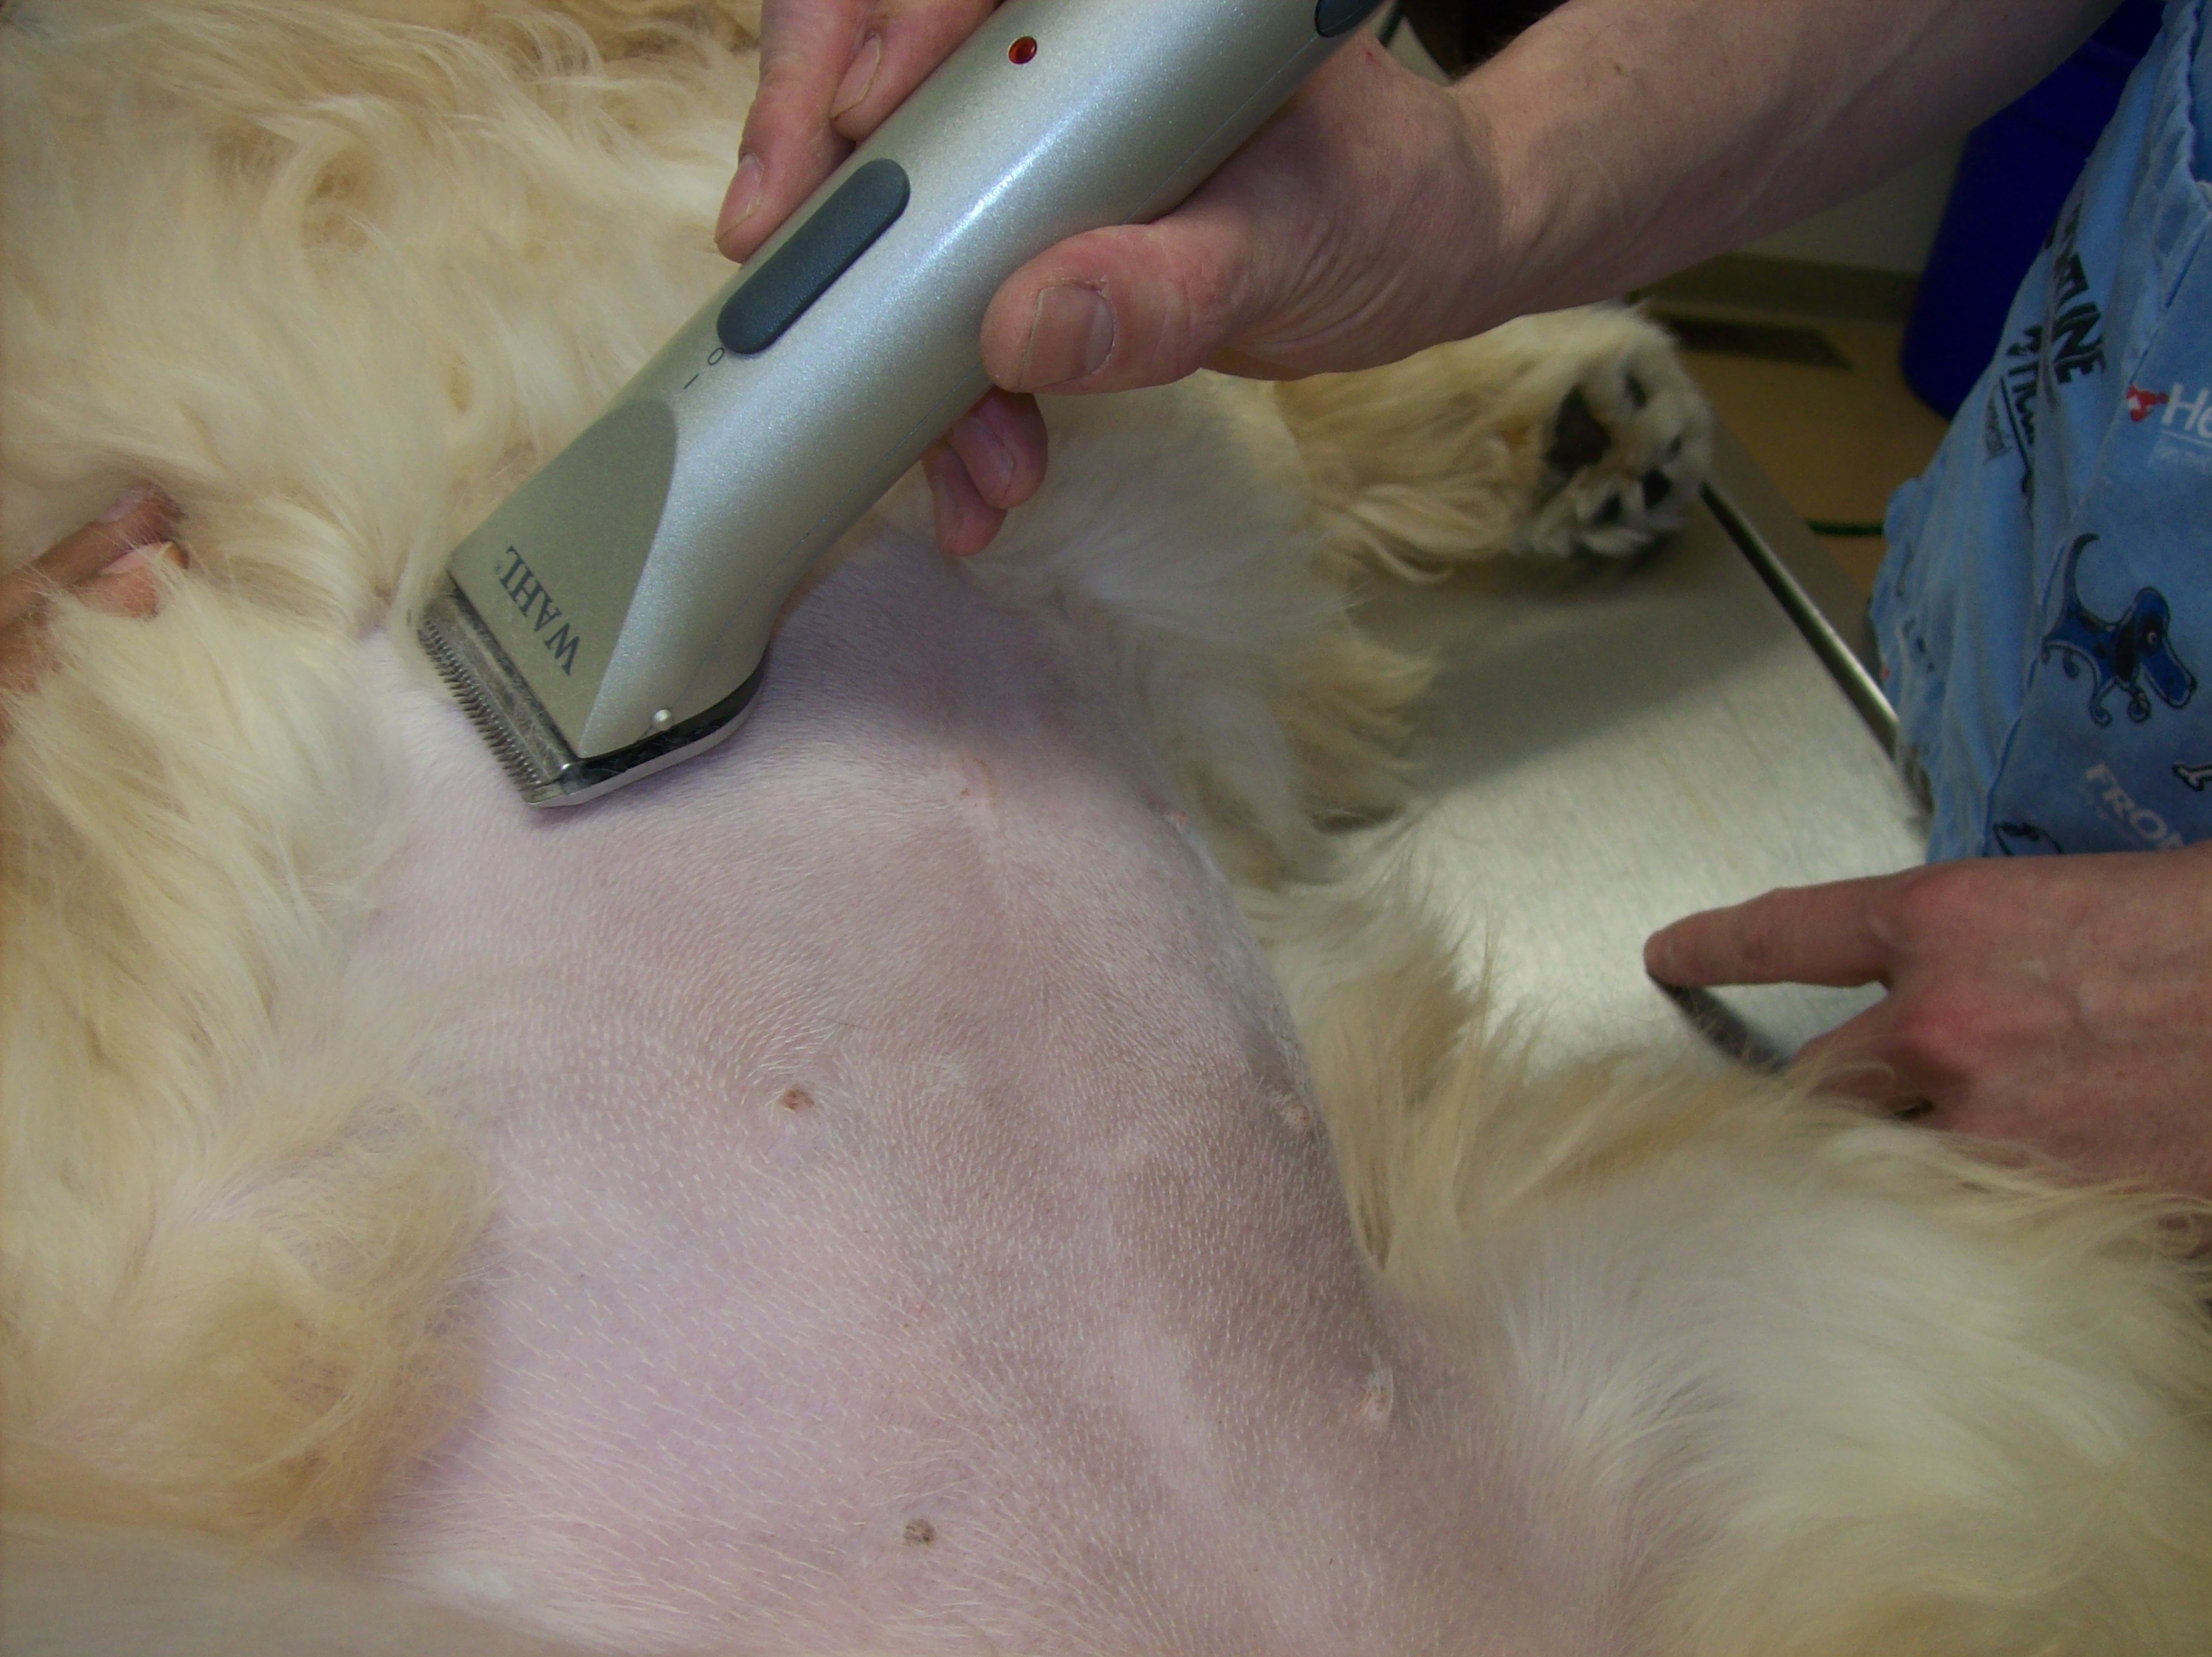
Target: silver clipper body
column 611, row 617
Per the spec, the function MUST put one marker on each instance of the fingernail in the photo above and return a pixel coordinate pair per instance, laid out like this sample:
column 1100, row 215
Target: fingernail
column 981, row 446
column 137, row 558
column 859, row 76
column 131, row 500
column 1071, row 336
column 149, row 552
column 744, row 194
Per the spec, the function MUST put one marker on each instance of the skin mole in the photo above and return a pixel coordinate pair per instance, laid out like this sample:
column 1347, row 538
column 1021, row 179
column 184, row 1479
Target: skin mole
column 797, row 1101
column 918, row 1532
column 974, row 777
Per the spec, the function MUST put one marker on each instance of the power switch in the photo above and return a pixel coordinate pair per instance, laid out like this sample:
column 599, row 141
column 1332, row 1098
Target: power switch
column 819, row 251
column 1335, row 17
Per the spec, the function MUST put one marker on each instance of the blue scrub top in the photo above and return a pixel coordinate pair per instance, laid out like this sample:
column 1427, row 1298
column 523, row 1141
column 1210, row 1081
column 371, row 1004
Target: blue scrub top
column 2045, row 609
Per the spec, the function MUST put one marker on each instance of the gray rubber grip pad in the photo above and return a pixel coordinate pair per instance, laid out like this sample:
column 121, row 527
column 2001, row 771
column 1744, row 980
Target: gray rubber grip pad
column 821, row 249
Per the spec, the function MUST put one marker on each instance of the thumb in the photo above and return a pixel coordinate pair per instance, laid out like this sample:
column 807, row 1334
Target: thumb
column 1139, row 305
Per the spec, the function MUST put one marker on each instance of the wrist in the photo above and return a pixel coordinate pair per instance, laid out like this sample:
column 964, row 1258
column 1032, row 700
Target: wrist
column 1583, row 212
column 1502, row 214
column 1424, row 192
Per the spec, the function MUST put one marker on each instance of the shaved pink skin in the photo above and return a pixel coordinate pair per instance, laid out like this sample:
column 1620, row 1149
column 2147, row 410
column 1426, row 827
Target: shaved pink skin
column 913, row 1231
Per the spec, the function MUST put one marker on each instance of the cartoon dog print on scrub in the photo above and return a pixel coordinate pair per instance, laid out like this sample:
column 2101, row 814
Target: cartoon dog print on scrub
column 2121, row 654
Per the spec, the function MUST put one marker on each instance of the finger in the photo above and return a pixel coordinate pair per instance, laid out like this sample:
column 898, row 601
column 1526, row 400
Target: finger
column 1002, row 442
column 1846, row 1061
column 1805, row 935
column 1271, row 268
column 965, row 521
column 903, row 44
column 144, row 515
column 1141, row 305
column 25, row 653
column 1883, row 1058
column 131, row 586
column 789, row 146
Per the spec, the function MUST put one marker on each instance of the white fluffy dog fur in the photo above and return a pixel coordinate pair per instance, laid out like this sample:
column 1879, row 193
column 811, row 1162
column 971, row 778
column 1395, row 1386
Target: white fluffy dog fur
column 335, row 277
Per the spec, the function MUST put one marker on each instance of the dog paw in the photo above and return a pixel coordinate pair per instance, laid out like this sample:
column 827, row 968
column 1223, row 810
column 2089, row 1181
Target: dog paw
column 1626, row 449
column 1578, row 432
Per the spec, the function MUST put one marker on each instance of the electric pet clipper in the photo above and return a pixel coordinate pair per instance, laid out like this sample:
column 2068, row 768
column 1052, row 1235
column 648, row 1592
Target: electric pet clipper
column 613, row 617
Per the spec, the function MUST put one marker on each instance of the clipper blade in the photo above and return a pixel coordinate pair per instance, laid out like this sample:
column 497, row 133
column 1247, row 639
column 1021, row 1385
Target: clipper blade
column 526, row 743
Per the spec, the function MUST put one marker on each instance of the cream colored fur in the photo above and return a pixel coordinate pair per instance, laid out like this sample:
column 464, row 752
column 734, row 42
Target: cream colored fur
column 1451, row 450
column 227, row 1237
column 1920, row 1402
column 338, row 276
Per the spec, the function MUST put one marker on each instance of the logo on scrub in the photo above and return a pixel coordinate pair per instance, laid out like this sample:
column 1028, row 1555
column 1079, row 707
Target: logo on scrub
column 2122, row 807
column 2179, row 411
column 2141, row 404
column 520, row 583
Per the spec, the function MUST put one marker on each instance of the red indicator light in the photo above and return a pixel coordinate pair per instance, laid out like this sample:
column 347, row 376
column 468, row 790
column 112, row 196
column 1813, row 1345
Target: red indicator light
column 1023, row 50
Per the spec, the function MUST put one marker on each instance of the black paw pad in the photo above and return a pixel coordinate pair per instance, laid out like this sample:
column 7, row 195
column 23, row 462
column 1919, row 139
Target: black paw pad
column 1580, row 438
column 1657, row 486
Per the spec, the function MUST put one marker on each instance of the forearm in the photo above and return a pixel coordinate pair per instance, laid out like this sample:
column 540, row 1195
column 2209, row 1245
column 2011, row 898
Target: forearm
column 1630, row 138
column 1611, row 143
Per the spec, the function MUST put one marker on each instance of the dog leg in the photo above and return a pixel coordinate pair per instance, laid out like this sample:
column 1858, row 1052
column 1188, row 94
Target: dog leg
column 1578, row 432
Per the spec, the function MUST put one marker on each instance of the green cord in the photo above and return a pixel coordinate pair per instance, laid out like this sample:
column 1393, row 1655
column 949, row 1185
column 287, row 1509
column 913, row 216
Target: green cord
column 1854, row 531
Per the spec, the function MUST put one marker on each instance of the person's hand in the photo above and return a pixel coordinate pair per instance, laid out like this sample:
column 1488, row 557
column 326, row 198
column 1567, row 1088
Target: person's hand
column 110, row 564
column 1342, row 236
column 2063, row 1004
